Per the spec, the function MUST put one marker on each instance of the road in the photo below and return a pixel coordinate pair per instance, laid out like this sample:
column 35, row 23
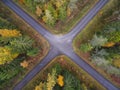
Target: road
column 61, row 44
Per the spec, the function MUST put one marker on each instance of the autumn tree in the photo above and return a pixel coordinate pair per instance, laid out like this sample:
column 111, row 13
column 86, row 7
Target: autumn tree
column 41, row 86
column 9, row 33
column 21, row 1
column 109, row 44
column 60, row 80
column 51, row 80
column 24, row 64
column 69, row 11
column 38, row 11
column 116, row 63
column 6, row 55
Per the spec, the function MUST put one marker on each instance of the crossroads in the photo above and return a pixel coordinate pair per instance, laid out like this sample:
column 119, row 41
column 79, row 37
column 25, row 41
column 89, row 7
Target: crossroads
column 61, row 44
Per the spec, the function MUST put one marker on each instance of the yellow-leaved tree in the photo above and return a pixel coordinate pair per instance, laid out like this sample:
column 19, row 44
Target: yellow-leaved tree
column 21, row 1
column 9, row 33
column 68, row 11
column 60, row 80
column 40, row 86
column 116, row 63
column 6, row 56
column 51, row 80
column 24, row 64
column 109, row 44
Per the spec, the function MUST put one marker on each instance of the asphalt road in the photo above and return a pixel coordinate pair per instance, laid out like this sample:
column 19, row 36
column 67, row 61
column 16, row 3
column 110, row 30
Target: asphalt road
column 61, row 44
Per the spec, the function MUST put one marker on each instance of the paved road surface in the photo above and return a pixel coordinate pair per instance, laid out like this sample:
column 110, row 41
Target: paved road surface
column 61, row 44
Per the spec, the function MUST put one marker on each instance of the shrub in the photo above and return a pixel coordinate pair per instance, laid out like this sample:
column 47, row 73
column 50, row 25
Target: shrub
column 86, row 47
column 6, row 56
column 116, row 63
column 21, row 44
column 98, row 41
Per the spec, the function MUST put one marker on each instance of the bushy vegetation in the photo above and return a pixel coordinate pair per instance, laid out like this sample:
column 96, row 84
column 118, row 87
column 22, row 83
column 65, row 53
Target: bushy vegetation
column 14, row 49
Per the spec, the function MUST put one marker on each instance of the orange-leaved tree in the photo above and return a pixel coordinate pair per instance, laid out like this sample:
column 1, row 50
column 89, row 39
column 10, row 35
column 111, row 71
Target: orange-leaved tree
column 9, row 33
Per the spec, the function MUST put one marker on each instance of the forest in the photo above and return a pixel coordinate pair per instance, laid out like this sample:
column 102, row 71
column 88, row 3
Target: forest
column 103, row 47
column 15, row 47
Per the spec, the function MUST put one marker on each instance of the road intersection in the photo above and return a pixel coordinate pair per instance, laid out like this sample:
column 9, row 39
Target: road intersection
column 61, row 44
